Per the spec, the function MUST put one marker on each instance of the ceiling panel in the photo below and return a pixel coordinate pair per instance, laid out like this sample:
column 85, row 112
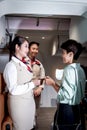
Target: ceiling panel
column 37, row 23
column 43, row 30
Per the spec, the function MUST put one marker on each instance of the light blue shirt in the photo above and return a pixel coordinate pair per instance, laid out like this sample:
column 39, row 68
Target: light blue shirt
column 72, row 88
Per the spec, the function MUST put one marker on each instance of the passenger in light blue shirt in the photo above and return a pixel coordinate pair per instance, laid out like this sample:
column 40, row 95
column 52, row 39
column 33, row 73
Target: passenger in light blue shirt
column 72, row 88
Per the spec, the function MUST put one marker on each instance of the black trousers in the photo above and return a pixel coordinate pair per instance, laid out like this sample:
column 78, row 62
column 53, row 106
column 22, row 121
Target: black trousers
column 67, row 116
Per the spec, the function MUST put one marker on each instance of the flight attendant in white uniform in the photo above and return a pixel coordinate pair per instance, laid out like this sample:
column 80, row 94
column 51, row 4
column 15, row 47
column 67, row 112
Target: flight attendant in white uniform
column 18, row 78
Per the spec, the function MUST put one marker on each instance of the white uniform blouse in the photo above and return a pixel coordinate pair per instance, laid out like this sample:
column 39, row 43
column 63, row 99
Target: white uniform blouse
column 10, row 77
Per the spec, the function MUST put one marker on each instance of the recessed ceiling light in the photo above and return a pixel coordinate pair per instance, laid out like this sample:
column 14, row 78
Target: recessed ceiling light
column 43, row 37
column 27, row 37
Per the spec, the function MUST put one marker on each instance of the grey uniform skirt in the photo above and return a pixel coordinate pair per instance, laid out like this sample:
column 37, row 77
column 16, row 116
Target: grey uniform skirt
column 22, row 110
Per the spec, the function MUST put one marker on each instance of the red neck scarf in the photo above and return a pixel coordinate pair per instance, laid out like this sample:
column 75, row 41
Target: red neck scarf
column 27, row 64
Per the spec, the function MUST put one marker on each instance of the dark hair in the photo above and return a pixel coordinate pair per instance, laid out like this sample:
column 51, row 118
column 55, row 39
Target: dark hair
column 33, row 42
column 72, row 46
column 18, row 40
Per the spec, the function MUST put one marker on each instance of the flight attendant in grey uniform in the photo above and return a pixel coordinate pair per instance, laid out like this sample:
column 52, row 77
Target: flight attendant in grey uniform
column 37, row 68
column 18, row 78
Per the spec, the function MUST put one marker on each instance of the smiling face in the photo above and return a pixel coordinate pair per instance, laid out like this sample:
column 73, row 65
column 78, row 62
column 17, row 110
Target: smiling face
column 22, row 51
column 33, row 50
column 67, row 57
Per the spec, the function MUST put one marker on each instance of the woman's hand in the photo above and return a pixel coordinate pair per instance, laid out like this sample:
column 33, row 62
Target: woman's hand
column 36, row 82
column 37, row 91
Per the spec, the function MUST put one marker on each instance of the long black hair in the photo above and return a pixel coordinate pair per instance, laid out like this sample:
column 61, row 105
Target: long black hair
column 18, row 40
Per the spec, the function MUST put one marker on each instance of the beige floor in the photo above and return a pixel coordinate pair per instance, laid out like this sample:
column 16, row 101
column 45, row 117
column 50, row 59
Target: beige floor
column 45, row 118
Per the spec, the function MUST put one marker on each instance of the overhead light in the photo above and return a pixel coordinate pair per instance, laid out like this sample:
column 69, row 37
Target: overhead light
column 27, row 37
column 43, row 37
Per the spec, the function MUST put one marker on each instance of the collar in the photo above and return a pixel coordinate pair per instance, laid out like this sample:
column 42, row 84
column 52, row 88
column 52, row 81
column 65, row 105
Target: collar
column 35, row 61
column 74, row 65
column 15, row 59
